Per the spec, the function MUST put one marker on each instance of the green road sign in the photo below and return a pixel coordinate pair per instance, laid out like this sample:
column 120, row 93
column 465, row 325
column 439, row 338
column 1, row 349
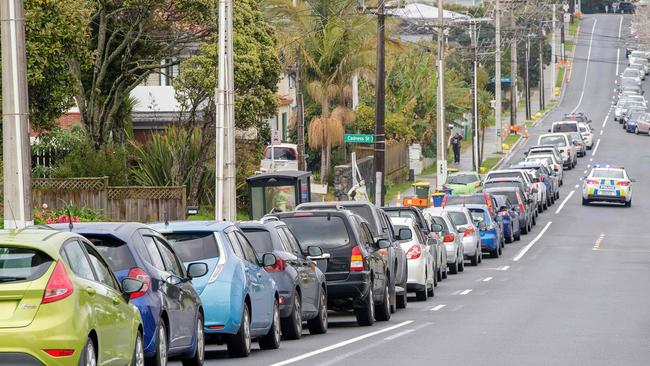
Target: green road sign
column 359, row 139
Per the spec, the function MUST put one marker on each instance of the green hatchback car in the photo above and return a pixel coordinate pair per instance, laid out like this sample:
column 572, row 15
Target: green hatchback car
column 60, row 304
column 464, row 183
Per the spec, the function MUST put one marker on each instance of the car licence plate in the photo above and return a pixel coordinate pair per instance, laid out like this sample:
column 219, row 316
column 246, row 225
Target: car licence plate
column 607, row 188
column 606, row 193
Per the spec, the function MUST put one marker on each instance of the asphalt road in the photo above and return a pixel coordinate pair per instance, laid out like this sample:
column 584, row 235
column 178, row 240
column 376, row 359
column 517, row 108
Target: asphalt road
column 576, row 291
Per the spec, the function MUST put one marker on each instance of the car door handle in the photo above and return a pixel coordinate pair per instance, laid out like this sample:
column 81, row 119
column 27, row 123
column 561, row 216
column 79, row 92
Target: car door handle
column 91, row 291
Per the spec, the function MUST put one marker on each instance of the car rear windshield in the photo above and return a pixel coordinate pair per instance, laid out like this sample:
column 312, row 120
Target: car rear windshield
column 552, row 140
column 325, row 231
column 565, row 127
column 458, row 218
column 260, row 239
column 502, row 184
column 631, row 73
column 280, row 153
column 478, row 215
column 403, row 213
column 22, row 264
column 512, row 195
column 462, row 179
column 608, row 173
column 194, row 246
column 366, row 213
column 476, row 199
column 114, row 250
column 504, row 175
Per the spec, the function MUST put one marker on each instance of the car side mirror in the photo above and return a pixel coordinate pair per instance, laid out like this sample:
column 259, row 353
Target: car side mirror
column 269, row 260
column 432, row 241
column 173, row 280
column 503, row 208
column 549, row 130
column 481, row 226
column 525, row 153
column 575, row 143
column 462, row 229
column 382, row 244
column 632, row 180
column 436, row 228
column 314, row 251
column 405, row 234
column 196, row 270
column 131, row 286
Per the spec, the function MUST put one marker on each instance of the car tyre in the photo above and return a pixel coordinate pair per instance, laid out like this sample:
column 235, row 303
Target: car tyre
column 517, row 236
column 366, row 313
column 272, row 339
column 453, row 269
column 475, row 258
column 495, row 253
column 585, row 202
column 461, row 264
column 431, row 292
column 628, row 203
column 524, row 229
column 383, row 311
column 446, row 271
column 636, row 130
column 199, row 353
column 88, row 355
column 421, row 295
column 318, row 325
column 160, row 358
column 138, row 351
column 292, row 325
column 239, row 344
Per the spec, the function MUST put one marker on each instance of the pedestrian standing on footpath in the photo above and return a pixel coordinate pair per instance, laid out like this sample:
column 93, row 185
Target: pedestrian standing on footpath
column 456, row 140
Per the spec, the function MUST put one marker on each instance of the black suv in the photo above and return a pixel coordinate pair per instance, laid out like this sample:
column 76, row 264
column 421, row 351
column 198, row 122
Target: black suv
column 355, row 270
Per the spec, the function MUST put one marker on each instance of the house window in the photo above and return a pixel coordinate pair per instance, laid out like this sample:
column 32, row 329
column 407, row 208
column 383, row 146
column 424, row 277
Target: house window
column 292, row 82
column 168, row 73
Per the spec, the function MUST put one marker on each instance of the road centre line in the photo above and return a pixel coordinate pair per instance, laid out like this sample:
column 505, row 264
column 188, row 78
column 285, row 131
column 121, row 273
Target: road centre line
column 341, row 344
column 599, row 241
column 505, row 268
column 620, row 27
column 584, row 84
column 530, row 245
column 437, row 307
column 605, row 121
column 466, row 291
column 564, row 202
column 487, row 279
column 577, row 185
column 618, row 59
column 405, row 332
column 601, row 132
column 596, row 148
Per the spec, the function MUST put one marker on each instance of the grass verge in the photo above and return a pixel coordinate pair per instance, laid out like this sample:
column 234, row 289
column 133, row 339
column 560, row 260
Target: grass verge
column 560, row 78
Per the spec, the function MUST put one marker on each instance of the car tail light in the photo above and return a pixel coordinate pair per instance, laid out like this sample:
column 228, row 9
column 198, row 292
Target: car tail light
column 58, row 286
column 279, row 266
column 383, row 252
column 142, row 276
column 469, row 231
column 542, row 178
column 503, row 213
column 591, row 181
column 521, row 207
column 568, row 152
column 489, row 227
column 624, row 183
column 59, row 352
column 216, row 273
column 356, row 260
column 414, row 252
column 449, row 238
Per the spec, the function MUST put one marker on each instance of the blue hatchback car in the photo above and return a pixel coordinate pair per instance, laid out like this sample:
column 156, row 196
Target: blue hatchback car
column 240, row 298
column 489, row 228
column 172, row 315
column 510, row 216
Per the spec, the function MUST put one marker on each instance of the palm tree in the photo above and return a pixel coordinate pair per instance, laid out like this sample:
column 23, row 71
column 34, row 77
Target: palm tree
column 335, row 43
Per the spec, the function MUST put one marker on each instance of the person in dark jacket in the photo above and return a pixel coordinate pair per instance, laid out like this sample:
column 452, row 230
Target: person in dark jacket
column 456, row 140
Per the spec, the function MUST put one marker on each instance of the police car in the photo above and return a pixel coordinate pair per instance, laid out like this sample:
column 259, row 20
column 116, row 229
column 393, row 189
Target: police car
column 607, row 184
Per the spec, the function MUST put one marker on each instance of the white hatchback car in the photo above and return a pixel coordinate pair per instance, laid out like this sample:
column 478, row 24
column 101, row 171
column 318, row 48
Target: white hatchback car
column 462, row 220
column 418, row 257
column 564, row 145
column 441, row 224
column 607, row 184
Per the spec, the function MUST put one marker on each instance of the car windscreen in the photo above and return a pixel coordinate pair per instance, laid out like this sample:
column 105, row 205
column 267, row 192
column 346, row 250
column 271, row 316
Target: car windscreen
column 462, row 179
column 326, row 231
column 194, row 246
column 22, row 264
column 458, row 218
column 116, row 251
column 281, row 153
column 552, row 140
column 608, row 173
column 575, row 137
column 260, row 239
column 476, row 199
column 565, row 127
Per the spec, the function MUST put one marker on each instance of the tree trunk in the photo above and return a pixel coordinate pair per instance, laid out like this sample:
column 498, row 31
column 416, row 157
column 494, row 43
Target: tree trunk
column 325, row 145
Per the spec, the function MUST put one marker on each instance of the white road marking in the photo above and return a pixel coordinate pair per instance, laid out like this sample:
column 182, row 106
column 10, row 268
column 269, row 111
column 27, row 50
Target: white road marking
column 564, row 202
column 577, row 185
column 585, row 172
column 591, row 159
column 530, row 245
column 618, row 59
column 599, row 241
column 620, row 27
column 341, row 344
column 584, row 84
column 399, row 334
column 605, row 121
column 596, row 148
column 466, row 291
column 438, row 307
column 456, row 292
column 588, row 165
column 487, row 279
column 601, row 132
column 505, row 268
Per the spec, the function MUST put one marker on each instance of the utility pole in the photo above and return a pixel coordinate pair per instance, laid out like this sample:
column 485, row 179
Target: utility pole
column 476, row 159
column 553, row 54
column 441, row 157
column 15, row 118
column 513, row 79
column 225, row 190
column 497, row 76
column 527, row 81
column 541, row 70
column 300, row 114
column 562, row 54
column 380, row 108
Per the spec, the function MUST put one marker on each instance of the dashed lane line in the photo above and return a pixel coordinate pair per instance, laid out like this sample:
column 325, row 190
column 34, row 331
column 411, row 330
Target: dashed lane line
column 341, row 344
column 487, row 279
column 566, row 199
column 530, row 245
column 596, row 148
column 438, row 307
column 599, row 241
column 466, row 291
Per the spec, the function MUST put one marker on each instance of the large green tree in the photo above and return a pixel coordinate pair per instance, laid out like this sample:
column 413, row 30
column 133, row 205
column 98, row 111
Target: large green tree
column 55, row 33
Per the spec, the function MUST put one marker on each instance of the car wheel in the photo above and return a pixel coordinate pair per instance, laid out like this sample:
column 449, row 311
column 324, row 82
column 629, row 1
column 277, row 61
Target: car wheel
column 199, row 353
column 160, row 358
column 636, row 130
column 461, row 264
column 318, row 325
column 435, row 277
column 446, row 271
column 474, row 259
column 494, row 253
column 517, row 236
column 453, row 269
column 510, row 237
column 366, row 313
column 138, row 351
column 88, row 355
column 402, row 300
column 524, row 229
column 239, row 344
column 534, row 221
column 585, row 202
column 292, row 325
column 272, row 339
column 628, row 203
column 383, row 310
column 431, row 292
column 421, row 295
